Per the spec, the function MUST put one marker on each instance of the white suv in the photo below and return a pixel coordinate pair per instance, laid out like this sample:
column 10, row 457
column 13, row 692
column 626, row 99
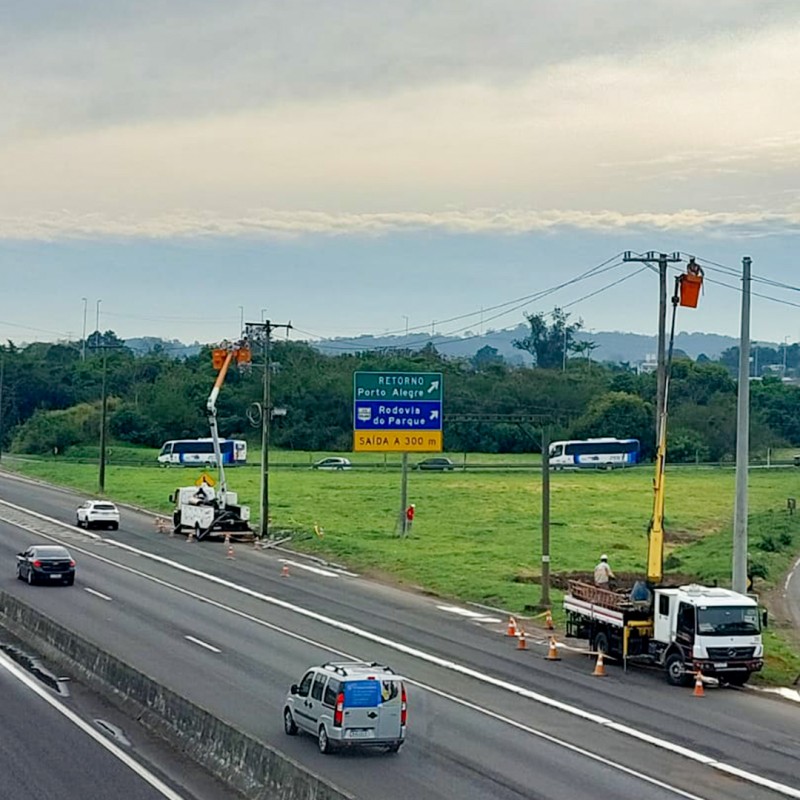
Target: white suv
column 97, row 514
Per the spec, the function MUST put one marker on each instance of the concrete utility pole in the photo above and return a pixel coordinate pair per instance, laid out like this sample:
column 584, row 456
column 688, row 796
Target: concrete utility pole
column 83, row 343
column 404, row 495
column 262, row 332
column 661, row 374
column 103, row 415
column 739, row 567
column 545, row 600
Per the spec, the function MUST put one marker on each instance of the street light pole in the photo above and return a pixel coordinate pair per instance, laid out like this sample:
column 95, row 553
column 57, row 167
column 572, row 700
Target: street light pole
column 103, row 414
column 83, row 345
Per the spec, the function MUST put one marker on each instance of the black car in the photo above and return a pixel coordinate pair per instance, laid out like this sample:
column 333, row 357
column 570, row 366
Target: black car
column 440, row 463
column 46, row 563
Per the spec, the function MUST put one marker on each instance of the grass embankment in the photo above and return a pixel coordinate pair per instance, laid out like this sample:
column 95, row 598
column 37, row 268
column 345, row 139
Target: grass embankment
column 477, row 535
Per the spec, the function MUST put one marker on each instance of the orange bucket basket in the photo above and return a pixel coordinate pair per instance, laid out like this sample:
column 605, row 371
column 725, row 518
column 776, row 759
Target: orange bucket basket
column 690, row 290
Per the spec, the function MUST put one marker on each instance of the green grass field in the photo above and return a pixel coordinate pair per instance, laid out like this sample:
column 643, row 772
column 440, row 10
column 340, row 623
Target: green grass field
column 477, row 534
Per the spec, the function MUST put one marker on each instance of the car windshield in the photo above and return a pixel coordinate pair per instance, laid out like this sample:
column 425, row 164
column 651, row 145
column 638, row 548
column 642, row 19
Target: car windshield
column 727, row 620
column 51, row 552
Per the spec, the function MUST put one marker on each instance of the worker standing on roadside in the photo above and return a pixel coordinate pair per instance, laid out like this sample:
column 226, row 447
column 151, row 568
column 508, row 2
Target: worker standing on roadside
column 603, row 573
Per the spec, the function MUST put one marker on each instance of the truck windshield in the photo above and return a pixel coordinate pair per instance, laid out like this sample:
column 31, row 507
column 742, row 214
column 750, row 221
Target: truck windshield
column 728, row 620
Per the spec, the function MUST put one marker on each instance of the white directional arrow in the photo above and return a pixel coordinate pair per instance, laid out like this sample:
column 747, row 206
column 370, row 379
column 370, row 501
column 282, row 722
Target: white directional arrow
column 433, row 387
column 435, row 414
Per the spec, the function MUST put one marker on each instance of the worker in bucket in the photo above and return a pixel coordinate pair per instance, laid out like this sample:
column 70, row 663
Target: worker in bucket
column 603, row 574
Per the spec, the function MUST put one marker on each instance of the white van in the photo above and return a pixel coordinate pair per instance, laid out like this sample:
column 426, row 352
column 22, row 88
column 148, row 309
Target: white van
column 353, row 704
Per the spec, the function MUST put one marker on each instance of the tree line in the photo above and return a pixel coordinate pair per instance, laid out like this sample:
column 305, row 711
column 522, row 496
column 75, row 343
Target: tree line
column 50, row 397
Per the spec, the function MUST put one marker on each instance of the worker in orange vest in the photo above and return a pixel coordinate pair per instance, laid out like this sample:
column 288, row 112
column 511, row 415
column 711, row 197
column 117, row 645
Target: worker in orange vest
column 410, row 517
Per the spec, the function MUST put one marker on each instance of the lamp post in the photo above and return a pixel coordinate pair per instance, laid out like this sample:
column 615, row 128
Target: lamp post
column 785, row 345
column 83, row 340
column 97, row 318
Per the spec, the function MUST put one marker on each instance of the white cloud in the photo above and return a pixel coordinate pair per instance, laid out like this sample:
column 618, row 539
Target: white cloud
column 273, row 224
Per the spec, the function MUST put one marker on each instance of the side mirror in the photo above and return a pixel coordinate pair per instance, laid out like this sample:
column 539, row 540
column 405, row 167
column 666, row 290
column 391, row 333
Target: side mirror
column 293, row 689
column 172, row 498
column 764, row 618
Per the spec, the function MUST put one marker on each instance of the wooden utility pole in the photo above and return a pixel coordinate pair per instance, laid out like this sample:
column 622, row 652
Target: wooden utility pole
column 661, row 374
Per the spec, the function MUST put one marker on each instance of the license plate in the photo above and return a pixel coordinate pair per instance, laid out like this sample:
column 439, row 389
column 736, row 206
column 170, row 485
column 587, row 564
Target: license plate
column 720, row 665
column 56, row 575
column 359, row 733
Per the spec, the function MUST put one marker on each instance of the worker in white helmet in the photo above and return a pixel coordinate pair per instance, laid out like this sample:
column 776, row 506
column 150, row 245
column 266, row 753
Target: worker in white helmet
column 603, row 573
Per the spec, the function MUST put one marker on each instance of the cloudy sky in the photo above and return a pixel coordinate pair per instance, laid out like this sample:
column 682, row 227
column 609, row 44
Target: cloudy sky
column 367, row 166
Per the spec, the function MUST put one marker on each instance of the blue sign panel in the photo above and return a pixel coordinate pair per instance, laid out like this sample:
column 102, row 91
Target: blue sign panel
column 378, row 415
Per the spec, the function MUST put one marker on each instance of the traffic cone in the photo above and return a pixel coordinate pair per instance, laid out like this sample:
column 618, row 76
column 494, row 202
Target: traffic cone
column 552, row 653
column 548, row 620
column 599, row 667
column 699, row 691
column 285, row 571
column 230, row 551
column 512, row 627
column 522, row 642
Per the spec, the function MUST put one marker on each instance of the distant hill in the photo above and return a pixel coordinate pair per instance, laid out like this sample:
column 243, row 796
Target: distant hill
column 615, row 346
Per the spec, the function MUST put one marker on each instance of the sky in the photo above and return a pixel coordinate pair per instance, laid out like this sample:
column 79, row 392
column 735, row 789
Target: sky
column 173, row 169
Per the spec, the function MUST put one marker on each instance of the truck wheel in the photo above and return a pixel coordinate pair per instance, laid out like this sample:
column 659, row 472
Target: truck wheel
column 676, row 671
column 601, row 643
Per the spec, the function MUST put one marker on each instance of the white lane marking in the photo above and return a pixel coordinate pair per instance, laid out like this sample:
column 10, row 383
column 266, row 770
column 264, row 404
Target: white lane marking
column 129, row 762
column 96, row 593
column 789, row 576
column 203, row 644
column 626, row 730
column 464, row 612
column 317, row 570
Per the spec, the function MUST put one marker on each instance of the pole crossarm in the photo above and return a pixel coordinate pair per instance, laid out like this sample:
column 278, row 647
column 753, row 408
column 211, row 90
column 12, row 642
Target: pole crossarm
column 512, row 418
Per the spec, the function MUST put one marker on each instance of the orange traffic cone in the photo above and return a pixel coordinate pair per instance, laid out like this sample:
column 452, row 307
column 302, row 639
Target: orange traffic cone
column 285, row 571
column 548, row 620
column 230, row 551
column 699, row 691
column 512, row 627
column 552, row 653
column 599, row 667
column 522, row 642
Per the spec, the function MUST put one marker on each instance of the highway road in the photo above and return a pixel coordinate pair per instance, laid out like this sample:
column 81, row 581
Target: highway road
column 51, row 749
column 485, row 720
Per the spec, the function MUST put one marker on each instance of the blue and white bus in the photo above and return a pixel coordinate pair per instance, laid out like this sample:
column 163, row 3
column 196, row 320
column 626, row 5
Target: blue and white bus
column 606, row 453
column 200, row 452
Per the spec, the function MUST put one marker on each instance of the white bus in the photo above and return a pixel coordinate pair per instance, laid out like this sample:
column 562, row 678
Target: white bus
column 200, row 452
column 607, row 453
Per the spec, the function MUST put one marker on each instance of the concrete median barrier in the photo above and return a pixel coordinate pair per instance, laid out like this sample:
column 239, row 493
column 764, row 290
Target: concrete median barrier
column 252, row 767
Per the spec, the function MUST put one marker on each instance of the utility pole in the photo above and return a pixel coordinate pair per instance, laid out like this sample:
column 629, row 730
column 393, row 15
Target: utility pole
column 262, row 331
column 97, row 318
column 404, row 495
column 739, row 567
column 545, row 600
column 661, row 374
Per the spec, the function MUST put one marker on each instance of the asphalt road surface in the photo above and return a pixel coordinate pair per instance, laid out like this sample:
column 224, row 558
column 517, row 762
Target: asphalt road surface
column 50, row 750
column 485, row 720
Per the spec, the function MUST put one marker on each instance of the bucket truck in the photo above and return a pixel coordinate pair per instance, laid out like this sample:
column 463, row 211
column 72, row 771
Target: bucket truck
column 682, row 629
column 204, row 508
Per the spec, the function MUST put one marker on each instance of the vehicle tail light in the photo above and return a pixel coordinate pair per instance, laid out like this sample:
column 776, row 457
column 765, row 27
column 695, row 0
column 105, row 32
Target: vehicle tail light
column 37, row 563
column 338, row 714
column 72, row 563
column 403, row 707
